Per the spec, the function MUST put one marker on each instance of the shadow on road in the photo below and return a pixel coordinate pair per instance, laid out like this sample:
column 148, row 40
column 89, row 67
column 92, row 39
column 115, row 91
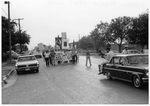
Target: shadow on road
column 27, row 72
column 119, row 84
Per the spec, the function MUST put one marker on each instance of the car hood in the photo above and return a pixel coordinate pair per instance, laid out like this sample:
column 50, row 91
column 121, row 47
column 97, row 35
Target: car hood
column 26, row 62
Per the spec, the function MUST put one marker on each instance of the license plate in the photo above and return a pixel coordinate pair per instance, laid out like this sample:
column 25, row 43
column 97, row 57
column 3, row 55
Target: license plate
column 27, row 69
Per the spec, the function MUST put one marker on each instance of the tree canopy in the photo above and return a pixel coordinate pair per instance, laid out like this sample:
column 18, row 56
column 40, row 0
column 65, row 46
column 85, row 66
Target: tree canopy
column 118, row 30
column 86, row 42
column 17, row 37
column 129, row 29
column 139, row 32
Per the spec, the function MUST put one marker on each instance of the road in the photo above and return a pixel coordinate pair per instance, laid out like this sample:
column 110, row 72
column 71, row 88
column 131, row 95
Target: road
column 70, row 84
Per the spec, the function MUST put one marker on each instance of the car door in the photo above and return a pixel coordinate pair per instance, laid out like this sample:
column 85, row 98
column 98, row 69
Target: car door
column 112, row 66
column 122, row 69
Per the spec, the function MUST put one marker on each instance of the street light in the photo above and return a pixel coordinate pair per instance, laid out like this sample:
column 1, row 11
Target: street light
column 7, row 2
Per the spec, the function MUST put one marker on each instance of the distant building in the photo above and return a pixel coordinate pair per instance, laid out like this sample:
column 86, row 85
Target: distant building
column 41, row 46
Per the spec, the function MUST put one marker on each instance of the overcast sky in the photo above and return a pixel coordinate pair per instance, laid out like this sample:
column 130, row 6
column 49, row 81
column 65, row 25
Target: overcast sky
column 46, row 19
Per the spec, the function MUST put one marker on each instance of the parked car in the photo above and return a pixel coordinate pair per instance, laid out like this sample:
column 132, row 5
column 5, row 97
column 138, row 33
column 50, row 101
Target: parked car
column 128, row 67
column 133, row 51
column 27, row 63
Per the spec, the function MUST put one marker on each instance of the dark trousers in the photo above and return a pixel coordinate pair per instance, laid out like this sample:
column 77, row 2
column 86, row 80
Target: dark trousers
column 47, row 61
column 73, row 59
column 76, row 58
column 50, row 60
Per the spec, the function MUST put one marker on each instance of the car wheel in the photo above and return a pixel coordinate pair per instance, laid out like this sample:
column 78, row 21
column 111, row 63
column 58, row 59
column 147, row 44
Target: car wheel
column 18, row 73
column 137, row 81
column 37, row 70
column 108, row 75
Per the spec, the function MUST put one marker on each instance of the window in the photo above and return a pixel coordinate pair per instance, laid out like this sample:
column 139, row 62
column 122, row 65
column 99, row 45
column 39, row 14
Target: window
column 115, row 60
column 140, row 59
column 65, row 43
column 26, row 58
column 122, row 61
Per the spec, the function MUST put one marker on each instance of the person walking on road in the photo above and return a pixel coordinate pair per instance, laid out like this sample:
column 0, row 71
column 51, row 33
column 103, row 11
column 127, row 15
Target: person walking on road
column 88, row 57
column 47, row 54
column 65, row 57
column 50, row 59
column 43, row 54
column 73, row 56
column 108, row 57
column 53, row 57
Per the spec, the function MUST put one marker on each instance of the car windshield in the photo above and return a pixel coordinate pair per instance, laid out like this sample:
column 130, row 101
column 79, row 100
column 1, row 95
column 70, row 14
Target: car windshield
column 141, row 59
column 29, row 58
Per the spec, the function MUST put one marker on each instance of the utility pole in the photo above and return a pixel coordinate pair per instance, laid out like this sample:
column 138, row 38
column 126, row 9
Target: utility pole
column 19, row 30
column 19, row 23
column 7, row 2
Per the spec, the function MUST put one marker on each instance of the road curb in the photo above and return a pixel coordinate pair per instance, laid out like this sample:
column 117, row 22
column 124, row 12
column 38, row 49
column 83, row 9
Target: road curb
column 6, row 77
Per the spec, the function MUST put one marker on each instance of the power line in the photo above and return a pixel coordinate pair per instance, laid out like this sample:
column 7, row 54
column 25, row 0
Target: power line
column 4, row 11
column 13, row 10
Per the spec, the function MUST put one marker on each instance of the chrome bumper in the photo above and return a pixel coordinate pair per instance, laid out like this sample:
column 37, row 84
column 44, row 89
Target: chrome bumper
column 145, row 80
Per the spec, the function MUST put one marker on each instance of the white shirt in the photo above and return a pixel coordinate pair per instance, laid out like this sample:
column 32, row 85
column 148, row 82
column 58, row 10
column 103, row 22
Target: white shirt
column 47, row 55
column 109, row 55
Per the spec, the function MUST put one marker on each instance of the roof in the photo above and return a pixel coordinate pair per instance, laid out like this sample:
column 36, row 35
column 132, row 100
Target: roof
column 125, row 55
column 26, row 55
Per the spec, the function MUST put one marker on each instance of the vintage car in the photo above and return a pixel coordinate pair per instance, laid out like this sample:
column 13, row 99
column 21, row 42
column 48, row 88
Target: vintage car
column 128, row 67
column 27, row 63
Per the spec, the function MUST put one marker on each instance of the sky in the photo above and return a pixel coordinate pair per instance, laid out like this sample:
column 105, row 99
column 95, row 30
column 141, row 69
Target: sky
column 44, row 20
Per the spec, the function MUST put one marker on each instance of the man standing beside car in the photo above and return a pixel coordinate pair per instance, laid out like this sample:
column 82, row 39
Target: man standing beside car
column 108, row 57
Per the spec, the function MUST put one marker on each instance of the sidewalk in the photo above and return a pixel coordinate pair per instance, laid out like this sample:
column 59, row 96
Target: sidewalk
column 7, row 70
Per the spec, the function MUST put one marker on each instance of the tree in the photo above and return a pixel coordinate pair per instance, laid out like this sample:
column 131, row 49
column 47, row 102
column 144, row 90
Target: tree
column 118, row 30
column 86, row 42
column 139, row 32
column 5, row 34
column 98, row 35
column 16, row 37
column 22, row 39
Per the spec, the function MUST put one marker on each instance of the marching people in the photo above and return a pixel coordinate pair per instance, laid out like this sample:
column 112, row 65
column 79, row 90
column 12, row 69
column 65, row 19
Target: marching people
column 43, row 54
column 88, row 57
column 65, row 57
column 46, row 55
column 108, row 57
column 53, row 57
column 50, row 59
column 73, row 56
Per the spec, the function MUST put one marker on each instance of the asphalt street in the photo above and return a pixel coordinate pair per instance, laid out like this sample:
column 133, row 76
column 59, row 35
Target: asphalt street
column 70, row 84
